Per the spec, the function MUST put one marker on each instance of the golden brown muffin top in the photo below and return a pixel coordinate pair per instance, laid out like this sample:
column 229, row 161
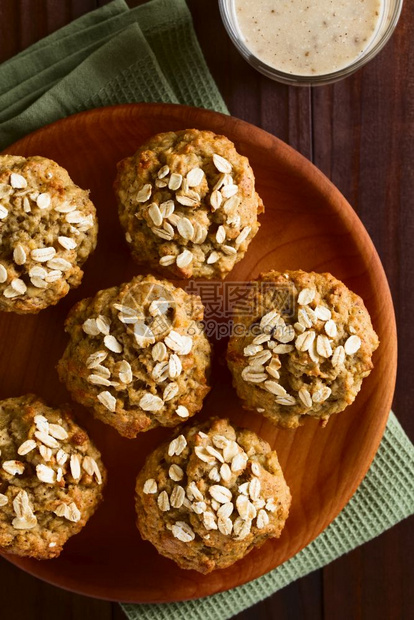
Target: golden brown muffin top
column 304, row 350
column 188, row 204
column 48, row 228
column 51, row 477
column 138, row 355
column 211, row 494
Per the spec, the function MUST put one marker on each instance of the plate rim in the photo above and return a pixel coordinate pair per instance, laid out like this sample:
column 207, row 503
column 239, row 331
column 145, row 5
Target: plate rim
column 295, row 160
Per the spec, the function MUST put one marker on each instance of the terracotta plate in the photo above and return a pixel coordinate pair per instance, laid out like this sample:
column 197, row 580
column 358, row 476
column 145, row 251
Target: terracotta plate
column 308, row 224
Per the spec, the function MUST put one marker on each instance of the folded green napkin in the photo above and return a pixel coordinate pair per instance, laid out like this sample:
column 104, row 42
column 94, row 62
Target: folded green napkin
column 117, row 55
column 112, row 55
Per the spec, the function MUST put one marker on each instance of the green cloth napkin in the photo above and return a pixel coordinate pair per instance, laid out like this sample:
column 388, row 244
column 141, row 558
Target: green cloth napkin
column 150, row 53
column 112, row 55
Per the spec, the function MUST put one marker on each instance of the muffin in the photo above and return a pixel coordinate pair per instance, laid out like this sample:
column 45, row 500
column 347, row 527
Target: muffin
column 51, row 477
column 48, row 228
column 304, row 349
column 137, row 355
column 209, row 496
column 187, row 203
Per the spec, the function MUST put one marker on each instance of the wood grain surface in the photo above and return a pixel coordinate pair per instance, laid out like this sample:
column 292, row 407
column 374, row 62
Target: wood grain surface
column 359, row 132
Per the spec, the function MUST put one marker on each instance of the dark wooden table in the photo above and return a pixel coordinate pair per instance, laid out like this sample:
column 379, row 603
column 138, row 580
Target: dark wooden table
column 360, row 133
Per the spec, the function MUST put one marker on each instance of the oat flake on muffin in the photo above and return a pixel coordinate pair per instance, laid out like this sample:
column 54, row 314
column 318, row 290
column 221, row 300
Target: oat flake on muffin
column 210, row 495
column 51, row 477
column 188, row 204
column 48, row 228
column 137, row 355
column 305, row 350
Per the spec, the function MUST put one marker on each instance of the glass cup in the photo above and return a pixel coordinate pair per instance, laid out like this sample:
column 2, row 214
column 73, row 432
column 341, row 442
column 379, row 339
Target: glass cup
column 390, row 17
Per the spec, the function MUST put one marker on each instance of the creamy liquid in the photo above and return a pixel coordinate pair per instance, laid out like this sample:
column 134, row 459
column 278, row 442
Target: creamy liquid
column 308, row 37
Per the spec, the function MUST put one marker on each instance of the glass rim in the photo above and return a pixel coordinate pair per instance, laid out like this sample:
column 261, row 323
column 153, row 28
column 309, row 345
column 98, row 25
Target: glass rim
column 307, row 80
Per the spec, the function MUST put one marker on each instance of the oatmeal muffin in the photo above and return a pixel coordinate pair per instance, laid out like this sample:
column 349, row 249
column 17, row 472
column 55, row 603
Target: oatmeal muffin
column 209, row 496
column 137, row 355
column 51, row 477
column 304, row 349
column 187, row 204
column 48, row 228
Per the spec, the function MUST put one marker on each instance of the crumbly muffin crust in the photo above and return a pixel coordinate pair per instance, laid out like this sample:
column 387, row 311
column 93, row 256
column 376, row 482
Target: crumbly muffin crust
column 305, row 351
column 212, row 494
column 187, row 203
column 137, row 355
column 51, row 477
column 48, row 228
